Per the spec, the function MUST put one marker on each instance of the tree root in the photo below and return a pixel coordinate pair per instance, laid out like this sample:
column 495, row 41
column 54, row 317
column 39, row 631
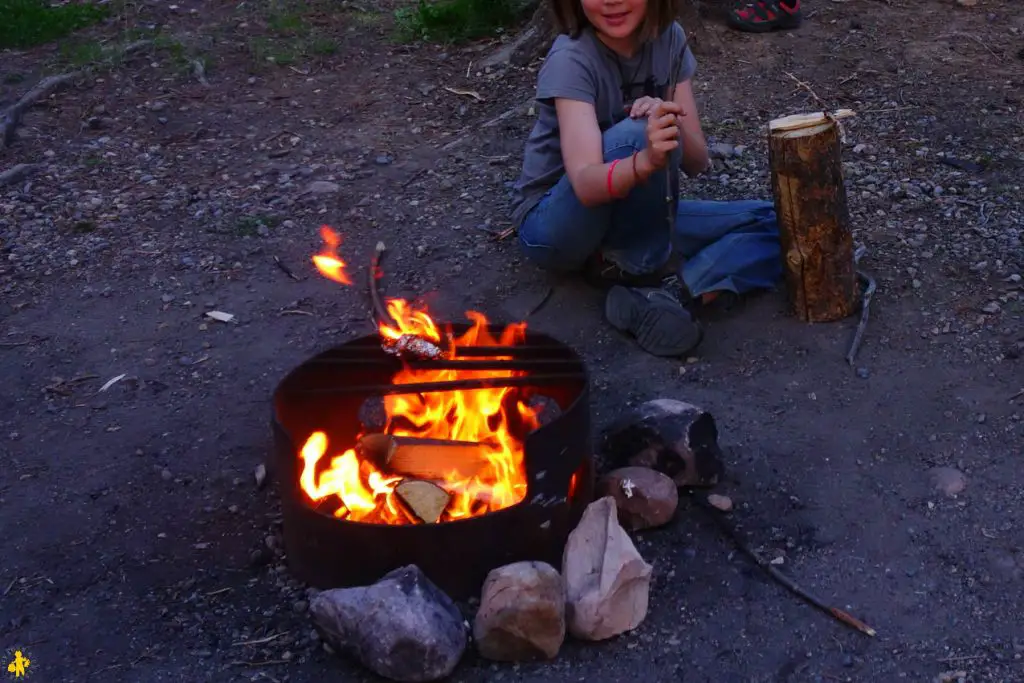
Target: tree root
column 17, row 174
column 12, row 117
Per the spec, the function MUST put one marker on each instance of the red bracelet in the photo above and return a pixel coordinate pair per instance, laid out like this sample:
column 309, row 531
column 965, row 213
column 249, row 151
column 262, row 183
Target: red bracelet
column 611, row 170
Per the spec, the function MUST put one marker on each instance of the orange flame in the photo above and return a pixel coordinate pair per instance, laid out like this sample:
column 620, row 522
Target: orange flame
column 327, row 261
column 496, row 418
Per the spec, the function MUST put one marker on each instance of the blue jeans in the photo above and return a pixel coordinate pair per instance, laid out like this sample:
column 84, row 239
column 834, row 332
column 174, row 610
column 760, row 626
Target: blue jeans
column 725, row 245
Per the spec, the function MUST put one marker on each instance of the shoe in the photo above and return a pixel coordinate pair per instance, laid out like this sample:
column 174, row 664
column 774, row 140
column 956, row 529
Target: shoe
column 763, row 16
column 602, row 274
column 723, row 300
column 655, row 318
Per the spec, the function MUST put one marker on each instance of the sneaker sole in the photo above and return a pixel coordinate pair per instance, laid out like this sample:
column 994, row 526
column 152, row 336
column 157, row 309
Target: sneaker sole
column 660, row 331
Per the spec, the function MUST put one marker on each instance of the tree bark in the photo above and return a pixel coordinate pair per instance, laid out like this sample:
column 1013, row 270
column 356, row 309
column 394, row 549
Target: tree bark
column 810, row 200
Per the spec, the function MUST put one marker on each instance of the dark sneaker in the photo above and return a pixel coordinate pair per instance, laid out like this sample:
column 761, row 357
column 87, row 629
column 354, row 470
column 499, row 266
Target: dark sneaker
column 603, row 274
column 655, row 318
column 723, row 300
column 763, row 16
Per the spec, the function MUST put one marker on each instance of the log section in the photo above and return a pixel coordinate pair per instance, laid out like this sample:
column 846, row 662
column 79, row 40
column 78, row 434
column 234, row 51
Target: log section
column 805, row 156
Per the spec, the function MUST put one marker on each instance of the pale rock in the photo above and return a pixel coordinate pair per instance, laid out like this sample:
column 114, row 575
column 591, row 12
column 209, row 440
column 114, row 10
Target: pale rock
column 645, row 498
column 720, row 502
column 522, row 613
column 607, row 581
column 948, row 480
column 323, row 187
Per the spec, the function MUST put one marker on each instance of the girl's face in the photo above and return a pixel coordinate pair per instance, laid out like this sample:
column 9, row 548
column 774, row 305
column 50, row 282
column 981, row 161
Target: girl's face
column 616, row 19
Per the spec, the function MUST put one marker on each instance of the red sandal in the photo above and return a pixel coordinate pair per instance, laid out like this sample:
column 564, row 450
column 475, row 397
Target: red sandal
column 763, row 16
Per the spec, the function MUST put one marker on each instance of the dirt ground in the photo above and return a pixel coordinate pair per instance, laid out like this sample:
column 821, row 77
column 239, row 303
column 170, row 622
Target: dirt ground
column 135, row 540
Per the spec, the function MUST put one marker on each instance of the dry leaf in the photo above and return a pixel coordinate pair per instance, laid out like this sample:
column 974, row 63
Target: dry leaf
column 220, row 316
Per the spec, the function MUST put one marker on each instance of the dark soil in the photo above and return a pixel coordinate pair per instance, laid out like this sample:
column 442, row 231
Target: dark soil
column 137, row 546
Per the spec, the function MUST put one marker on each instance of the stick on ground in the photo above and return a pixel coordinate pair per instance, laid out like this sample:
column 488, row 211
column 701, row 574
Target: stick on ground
column 17, row 173
column 11, row 118
column 44, row 88
column 777, row 575
column 869, row 291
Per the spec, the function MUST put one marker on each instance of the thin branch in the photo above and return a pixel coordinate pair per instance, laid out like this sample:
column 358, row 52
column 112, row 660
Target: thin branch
column 777, row 575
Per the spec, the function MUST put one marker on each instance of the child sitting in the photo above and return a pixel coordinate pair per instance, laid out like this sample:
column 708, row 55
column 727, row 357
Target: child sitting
column 599, row 190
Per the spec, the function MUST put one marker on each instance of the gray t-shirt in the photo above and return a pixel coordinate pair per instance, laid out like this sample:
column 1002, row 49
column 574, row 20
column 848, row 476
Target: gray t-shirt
column 586, row 69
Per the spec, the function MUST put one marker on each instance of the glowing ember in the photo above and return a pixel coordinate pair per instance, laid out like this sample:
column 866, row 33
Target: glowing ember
column 491, row 417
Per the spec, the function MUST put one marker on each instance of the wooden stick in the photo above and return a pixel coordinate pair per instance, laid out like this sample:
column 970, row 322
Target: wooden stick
column 379, row 311
column 777, row 575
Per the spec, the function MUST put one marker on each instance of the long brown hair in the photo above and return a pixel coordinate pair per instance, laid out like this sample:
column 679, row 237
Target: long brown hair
column 569, row 17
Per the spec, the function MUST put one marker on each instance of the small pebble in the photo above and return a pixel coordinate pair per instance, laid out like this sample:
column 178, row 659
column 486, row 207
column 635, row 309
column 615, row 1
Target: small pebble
column 723, row 503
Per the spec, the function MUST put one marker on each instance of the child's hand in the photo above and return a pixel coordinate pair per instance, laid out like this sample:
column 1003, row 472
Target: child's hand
column 662, row 133
column 642, row 107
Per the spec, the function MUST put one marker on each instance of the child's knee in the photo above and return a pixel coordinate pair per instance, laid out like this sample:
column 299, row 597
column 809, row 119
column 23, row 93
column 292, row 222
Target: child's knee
column 626, row 133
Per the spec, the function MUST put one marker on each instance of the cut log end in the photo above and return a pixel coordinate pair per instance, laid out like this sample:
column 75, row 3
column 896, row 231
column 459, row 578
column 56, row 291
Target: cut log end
column 424, row 500
column 799, row 122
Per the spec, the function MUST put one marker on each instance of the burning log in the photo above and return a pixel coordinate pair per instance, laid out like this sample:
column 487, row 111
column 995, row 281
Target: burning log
column 810, row 200
column 424, row 500
column 430, row 459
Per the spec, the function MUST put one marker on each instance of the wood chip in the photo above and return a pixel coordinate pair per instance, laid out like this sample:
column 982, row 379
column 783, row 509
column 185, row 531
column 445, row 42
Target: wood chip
column 425, row 500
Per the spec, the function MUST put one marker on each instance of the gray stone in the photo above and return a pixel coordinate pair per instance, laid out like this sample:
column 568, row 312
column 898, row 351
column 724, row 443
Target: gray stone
column 948, row 480
column 673, row 437
column 403, row 627
column 323, row 187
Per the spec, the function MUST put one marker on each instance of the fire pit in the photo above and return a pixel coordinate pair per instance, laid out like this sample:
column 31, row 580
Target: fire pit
column 458, row 463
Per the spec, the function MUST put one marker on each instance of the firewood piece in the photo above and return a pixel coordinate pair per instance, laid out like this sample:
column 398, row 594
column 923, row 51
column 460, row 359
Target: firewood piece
column 805, row 156
column 799, row 121
column 424, row 499
column 421, row 458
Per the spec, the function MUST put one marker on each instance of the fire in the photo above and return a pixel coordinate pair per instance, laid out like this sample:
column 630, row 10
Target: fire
column 327, row 261
column 495, row 418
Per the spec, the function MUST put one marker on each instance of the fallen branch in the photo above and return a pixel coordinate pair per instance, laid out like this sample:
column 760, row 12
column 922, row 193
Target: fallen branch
column 509, row 113
column 869, row 291
column 43, row 89
column 17, row 174
column 285, row 269
column 777, row 575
